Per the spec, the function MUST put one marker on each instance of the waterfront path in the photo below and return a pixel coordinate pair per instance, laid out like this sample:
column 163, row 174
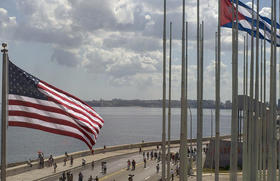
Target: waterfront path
column 115, row 156
column 47, row 173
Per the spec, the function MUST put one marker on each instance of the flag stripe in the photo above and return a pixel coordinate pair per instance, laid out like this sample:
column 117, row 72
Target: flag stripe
column 70, row 103
column 44, row 105
column 71, row 107
column 47, row 129
column 77, row 101
column 82, row 119
column 51, row 120
column 25, row 111
column 47, row 124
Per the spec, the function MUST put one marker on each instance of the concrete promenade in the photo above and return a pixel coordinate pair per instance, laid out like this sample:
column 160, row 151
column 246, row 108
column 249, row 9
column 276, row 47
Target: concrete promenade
column 23, row 172
column 44, row 173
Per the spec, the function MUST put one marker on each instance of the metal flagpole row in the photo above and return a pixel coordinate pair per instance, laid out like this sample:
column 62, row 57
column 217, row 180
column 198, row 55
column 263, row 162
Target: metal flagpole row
column 4, row 110
column 169, row 103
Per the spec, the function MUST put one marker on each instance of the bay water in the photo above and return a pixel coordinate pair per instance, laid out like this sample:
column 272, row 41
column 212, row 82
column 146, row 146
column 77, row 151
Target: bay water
column 122, row 125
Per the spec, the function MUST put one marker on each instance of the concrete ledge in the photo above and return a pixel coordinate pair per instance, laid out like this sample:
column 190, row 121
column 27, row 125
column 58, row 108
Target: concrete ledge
column 24, row 167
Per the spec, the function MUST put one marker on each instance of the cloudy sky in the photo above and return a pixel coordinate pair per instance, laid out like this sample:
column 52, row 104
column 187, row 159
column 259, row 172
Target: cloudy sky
column 112, row 48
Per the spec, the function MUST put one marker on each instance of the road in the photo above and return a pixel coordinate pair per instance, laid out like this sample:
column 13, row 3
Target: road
column 117, row 169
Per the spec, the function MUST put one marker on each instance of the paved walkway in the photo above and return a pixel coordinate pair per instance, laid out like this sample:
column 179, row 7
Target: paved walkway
column 42, row 174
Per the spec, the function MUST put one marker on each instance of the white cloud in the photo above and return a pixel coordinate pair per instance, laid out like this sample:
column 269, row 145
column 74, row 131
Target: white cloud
column 7, row 24
column 121, row 39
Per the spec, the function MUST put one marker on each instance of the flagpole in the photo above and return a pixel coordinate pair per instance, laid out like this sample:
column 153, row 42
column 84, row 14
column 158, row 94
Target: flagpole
column 244, row 152
column 264, row 110
column 164, row 96
column 261, row 116
column 169, row 104
column 251, row 104
column 4, row 110
column 256, row 125
column 186, row 94
column 217, row 113
column 234, row 120
column 274, row 94
column 191, row 142
column 183, row 135
column 212, row 140
column 217, row 125
column 278, row 99
column 199, row 109
column 271, row 170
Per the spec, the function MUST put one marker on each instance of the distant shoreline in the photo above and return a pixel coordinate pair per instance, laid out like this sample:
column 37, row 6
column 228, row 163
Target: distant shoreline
column 208, row 104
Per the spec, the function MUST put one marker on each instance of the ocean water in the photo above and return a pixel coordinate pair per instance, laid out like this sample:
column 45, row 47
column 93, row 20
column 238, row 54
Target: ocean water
column 122, row 125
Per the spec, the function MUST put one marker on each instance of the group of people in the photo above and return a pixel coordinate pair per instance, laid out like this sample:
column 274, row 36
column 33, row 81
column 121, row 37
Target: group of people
column 152, row 155
column 66, row 177
column 50, row 162
column 132, row 164
column 81, row 177
column 41, row 159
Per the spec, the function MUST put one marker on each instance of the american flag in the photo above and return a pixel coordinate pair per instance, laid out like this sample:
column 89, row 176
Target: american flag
column 35, row 104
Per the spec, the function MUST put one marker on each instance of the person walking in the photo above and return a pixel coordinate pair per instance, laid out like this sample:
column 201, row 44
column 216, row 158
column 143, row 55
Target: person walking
column 133, row 164
column 157, row 167
column 105, row 169
column 65, row 160
column 90, row 178
column 71, row 160
column 81, row 176
column 68, row 176
column 92, row 165
column 172, row 174
column 128, row 164
column 71, row 177
column 54, row 167
column 96, row 178
column 145, row 162
column 63, row 176
column 83, row 162
column 148, row 155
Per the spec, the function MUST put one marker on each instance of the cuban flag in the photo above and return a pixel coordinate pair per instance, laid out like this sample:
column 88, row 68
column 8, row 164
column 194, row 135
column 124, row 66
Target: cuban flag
column 245, row 17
